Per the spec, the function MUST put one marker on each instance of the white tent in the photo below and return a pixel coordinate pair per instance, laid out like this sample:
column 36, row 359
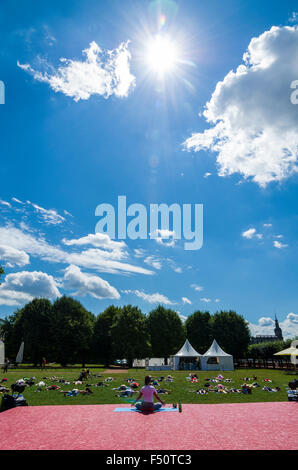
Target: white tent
column 186, row 352
column 292, row 350
column 20, row 354
column 2, row 353
column 216, row 359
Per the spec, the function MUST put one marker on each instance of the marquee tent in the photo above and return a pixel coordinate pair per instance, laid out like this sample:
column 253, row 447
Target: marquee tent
column 20, row 354
column 186, row 357
column 216, row 359
column 293, row 349
column 2, row 353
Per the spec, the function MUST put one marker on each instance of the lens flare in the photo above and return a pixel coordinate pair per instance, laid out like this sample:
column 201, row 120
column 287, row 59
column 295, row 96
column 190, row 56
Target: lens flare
column 162, row 54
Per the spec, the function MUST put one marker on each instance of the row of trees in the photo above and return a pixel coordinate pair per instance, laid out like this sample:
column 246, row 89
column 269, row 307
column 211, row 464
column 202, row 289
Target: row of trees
column 65, row 332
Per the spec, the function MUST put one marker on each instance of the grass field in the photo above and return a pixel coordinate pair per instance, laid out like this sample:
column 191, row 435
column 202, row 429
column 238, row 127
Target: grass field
column 181, row 389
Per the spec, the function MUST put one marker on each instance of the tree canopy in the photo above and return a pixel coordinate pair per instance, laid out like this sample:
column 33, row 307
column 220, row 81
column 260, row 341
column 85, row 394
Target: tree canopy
column 199, row 330
column 72, row 329
column 166, row 331
column 130, row 336
column 231, row 332
column 102, row 344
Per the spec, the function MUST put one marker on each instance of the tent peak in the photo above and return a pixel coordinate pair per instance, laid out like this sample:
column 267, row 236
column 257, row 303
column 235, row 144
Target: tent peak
column 215, row 350
column 187, row 350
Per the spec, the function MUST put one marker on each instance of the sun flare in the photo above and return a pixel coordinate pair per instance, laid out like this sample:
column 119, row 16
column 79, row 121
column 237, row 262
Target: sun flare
column 162, row 55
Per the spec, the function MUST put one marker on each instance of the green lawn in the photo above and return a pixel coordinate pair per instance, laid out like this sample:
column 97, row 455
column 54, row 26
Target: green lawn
column 180, row 387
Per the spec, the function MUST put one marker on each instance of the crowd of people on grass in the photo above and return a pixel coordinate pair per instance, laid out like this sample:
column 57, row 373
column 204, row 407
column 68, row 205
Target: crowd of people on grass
column 141, row 396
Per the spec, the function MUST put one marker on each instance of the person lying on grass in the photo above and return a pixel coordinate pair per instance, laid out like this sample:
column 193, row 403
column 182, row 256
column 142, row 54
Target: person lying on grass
column 147, row 393
column 75, row 391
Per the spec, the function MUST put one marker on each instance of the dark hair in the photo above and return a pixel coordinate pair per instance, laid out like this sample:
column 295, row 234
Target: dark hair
column 147, row 379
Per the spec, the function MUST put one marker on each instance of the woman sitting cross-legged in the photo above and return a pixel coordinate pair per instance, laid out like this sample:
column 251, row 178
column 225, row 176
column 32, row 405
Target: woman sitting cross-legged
column 147, row 393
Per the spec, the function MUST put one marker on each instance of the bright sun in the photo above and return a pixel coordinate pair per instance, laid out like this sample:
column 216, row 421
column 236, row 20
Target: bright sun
column 162, row 55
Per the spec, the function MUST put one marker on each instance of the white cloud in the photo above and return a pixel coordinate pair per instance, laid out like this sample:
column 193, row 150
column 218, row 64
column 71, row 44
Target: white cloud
column 266, row 321
column 183, row 318
column 267, row 225
column 139, row 253
column 153, row 261
column 164, row 234
column 177, row 270
column 102, row 260
column 185, row 300
column 265, row 326
column 279, row 245
column 5, row 203
column 17, row 200
column 250, row 233
column 25, row 285
column 103, row 73
column 85, row 284
column 50, row 216
column 205, row 299
column 151, row 298
column 254, row 129
column 13, row 256
column 99, row 240
column 12, row 298
column 206, row 175
column 197, row 288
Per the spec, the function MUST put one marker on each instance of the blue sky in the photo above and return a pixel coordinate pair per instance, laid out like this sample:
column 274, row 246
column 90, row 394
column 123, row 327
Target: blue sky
column 71, row 140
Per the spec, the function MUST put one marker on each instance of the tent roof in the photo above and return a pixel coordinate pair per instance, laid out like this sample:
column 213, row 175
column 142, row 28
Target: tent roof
column 187, row 351
column 215, row 351
column 287, row 352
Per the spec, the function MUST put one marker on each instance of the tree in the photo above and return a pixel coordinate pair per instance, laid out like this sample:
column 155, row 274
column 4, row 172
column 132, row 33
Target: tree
column 129, row 334
column 33, row 326
column 1, row 272
column 72, row 327
column 102, row 339
column 198, row 331
column 267, row 349
column 10, row 335
column 231, row 332
column 166, row 332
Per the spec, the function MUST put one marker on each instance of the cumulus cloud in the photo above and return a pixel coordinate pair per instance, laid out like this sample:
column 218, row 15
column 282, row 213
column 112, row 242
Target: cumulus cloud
column 99, row 240
column 265, row 326
column 151, row 298
column 165, row 237
column 88, row 284
column 103, row 73
column 13, row 256
column 185, row 300
column 266, row 321
column 254, row 129
column 252, row 233
column 24, row 286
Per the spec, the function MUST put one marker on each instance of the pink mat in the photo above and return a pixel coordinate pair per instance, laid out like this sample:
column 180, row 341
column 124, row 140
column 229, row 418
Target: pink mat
column 245, row 426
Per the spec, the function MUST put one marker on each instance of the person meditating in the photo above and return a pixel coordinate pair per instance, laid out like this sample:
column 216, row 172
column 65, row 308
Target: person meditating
column 147, row 392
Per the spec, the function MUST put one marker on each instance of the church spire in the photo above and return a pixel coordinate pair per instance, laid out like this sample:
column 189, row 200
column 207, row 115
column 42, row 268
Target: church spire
column 277, row 329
